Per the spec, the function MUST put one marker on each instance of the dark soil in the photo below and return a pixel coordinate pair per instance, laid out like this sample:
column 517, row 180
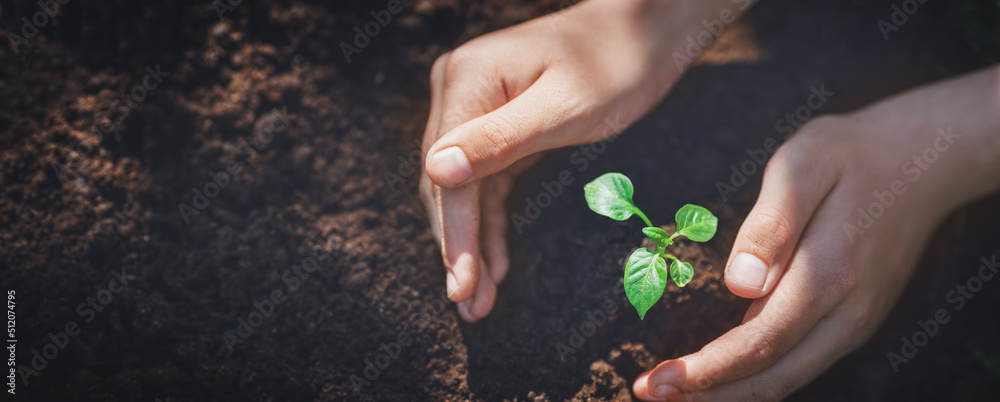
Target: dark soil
column 319, row 186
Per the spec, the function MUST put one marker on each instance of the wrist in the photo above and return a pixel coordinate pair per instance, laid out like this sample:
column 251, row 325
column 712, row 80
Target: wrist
column 665, row 24
column 981, row 123
column 988, row 142
column 949, row 134
column 669, row 34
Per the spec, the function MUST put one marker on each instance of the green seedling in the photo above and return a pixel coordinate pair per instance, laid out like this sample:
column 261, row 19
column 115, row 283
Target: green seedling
column 646, row 272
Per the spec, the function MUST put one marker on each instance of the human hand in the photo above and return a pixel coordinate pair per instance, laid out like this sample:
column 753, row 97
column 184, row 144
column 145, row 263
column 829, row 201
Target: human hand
column 510, row 94
column 826, row 276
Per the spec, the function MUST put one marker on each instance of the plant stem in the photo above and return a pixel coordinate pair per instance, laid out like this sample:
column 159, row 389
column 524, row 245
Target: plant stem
column 644, row 218
column 665, row 255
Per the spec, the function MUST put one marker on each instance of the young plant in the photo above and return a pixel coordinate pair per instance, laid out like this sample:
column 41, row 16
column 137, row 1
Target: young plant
column 646, row 272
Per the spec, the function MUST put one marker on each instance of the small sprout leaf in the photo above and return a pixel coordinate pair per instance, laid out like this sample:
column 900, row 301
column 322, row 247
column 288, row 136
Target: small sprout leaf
column 645, row 279
column 696, row 223
column 681, row 272
column 611, row 195
column 659, row 236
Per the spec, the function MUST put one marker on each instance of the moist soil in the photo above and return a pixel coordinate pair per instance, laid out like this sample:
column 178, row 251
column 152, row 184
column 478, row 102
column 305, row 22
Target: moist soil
column 78, row 211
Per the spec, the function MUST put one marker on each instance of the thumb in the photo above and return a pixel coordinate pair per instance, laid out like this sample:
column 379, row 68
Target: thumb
column 532, row 122
column 794, row 186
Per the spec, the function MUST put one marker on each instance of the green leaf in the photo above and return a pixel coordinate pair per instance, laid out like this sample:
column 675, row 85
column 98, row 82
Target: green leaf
column 659, row 236
column 681, row 272
column 696, row 223
column 611, row 195
column 645, row 279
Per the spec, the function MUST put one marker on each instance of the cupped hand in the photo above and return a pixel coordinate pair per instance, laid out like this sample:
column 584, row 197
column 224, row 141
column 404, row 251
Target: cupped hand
column 844, row 212
column 505, row 96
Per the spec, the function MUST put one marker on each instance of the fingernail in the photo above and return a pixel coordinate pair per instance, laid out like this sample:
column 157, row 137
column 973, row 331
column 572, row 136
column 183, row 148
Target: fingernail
column 748, row 270
column 664, row 390
column 452, row 166
column 451, row 283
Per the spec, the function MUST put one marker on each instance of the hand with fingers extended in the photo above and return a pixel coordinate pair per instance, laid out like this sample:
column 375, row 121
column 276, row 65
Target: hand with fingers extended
column 543, row 84
column 846, row 207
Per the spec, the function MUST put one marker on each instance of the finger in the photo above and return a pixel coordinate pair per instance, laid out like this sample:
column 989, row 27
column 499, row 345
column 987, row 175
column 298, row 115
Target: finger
column 494, row 225
column 794, row 186
column 427, row 194
column 534, row 121
column 457, row 210
column 481, row 302
column 786, row 315
column 456, row 231
column 430, row 194
column 831, row 339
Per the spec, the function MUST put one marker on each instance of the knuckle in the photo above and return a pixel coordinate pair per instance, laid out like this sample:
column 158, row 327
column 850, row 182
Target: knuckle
column 769, row 230
column 700, row 383
column 792, row 157
column 798, row 156
column 809, row 152
column 702, row 380
column 812, row 165
column 819, row 128
column 493, row 139
column 461, row 57
column 459, row 61
column 842, row 279
column 438, row 69
column 780, row 159
column 763, row 349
